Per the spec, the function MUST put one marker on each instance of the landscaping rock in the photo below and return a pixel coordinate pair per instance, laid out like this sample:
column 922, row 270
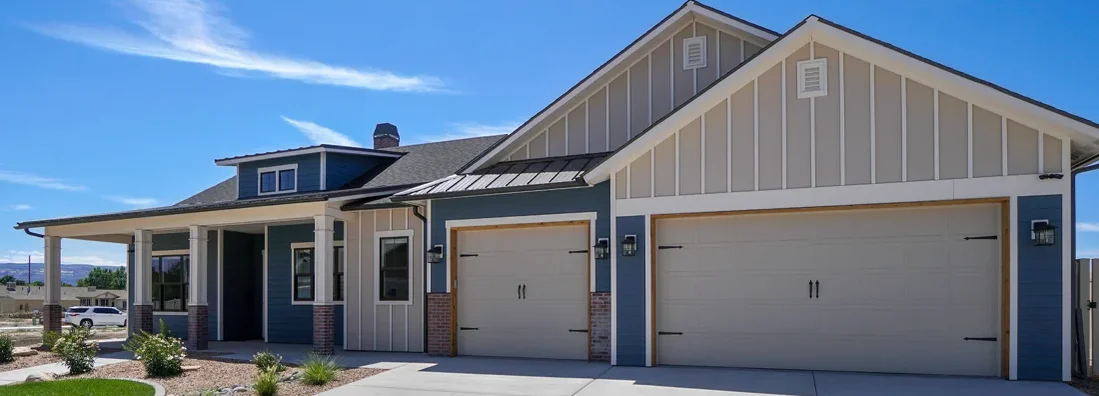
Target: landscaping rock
column 41, row 377
column 190, row 368
column 23, row 352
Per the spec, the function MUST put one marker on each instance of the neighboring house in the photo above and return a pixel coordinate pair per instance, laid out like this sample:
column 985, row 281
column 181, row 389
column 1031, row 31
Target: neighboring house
column 716, row 194
column 29, row 298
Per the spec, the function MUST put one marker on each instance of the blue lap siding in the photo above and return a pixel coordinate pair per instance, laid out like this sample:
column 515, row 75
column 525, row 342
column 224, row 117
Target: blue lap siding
column 177, row 322
column 287, row 322
column 630, row 292
column 1040, row 292
column 308, row 174
column 342, row 168
column 571, row 200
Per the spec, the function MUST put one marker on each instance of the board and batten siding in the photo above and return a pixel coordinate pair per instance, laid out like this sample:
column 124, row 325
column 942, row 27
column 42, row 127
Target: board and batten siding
column 382, row 326
column 643, row 92
column 873, row 126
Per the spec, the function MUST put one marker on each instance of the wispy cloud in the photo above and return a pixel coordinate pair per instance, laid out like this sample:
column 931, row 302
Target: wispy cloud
column 38, row 181
column 192, row 31
column 319, row 134
column 138, row 202
column 1087, row 227
column 20, row 207
column 462, row 130
column 20, row 256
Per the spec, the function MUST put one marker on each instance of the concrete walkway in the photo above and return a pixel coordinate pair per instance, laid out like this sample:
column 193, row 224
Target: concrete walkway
column 14, row 376
column 469, row 376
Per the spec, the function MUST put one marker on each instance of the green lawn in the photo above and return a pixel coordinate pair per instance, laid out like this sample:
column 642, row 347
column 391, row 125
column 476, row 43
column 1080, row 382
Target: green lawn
column 79, row 387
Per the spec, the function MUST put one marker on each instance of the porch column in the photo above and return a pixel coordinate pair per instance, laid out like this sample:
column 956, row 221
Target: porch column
column 51, row 301
column 198, row 329
column 142, row 306
column 324, row 313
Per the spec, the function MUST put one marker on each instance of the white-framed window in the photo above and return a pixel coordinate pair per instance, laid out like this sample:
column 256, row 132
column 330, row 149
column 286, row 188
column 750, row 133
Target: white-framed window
column 171, row 279
column 303, row 276
column 694, row 53
column 812, row 78
column 278, row 179
column 393, row 267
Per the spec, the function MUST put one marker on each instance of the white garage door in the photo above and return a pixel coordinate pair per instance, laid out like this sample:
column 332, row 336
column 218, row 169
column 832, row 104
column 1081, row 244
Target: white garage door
column 899, row 290
column 523, row 292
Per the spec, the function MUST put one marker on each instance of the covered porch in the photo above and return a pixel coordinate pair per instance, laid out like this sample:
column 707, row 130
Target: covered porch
column 264, row 272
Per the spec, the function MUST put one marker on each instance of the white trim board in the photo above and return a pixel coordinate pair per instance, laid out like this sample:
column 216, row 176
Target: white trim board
column 306, row 151
column 312, row 245
column 377, row 265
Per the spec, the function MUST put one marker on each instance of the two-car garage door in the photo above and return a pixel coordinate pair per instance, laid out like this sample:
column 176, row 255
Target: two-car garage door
column 883, row 290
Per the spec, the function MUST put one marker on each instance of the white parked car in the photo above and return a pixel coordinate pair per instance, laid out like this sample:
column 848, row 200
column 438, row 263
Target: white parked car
column 95, row 316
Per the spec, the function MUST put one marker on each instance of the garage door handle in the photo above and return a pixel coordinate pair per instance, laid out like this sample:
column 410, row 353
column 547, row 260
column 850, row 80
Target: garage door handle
column 662, row 247
column 818, row 288
column 578, row 330
column 468, row 328
column 524, row 288
column 669, row 333
column 810, row 290
column 981, row 237
column 519, row 292
column 980, row 338
column 578, row 251
column 467, row 255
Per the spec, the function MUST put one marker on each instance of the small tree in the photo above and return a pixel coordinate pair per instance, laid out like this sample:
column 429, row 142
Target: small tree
column 8, row 279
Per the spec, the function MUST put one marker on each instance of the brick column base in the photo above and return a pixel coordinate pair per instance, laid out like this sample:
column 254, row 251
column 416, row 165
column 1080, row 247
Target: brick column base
column 600, row 327
column 51, row 317
column 198, row 327
column 324, row 329
column 143, row 318
column 439, row 325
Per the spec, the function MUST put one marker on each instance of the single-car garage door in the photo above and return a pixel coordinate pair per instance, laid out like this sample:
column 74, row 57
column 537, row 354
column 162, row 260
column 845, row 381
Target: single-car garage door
column 880, row 290
column 523, row 292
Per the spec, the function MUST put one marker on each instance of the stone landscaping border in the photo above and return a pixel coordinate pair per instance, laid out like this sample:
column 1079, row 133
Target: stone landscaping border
column 158, row 390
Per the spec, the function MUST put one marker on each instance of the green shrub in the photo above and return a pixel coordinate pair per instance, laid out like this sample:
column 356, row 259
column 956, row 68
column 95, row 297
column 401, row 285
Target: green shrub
column 319, row 369
column 267, row 383
column 161, row 354
column 7, row 345
column 77, row 352
column 268, row 361
column 49, row 338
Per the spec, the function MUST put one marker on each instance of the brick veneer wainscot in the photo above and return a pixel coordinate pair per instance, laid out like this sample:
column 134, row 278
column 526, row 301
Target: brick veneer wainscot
column 51, row 318
column 143, row 318
column 324, row 329
column 198, row 328
column 600, row 327
column 439, row 324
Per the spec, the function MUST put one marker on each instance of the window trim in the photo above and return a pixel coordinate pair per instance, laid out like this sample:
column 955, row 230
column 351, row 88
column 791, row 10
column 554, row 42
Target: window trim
column 186, row 281
column 378, row 236
column 278, row 179
column 311, row 245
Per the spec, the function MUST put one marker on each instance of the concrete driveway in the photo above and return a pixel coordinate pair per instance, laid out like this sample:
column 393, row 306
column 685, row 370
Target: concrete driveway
column 472, row 376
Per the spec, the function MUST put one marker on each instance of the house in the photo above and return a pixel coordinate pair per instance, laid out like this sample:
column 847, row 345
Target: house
column 30, row 298
column 715, row 194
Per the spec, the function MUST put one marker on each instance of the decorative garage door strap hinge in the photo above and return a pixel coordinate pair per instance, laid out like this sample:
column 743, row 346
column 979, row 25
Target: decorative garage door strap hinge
column 467, row 255
column 669, row 333
column 578, row 251
column 980, row 338
column 981, row 237
column 669, row 247
column 521, row 292
column 468, row 328
column 578, row 330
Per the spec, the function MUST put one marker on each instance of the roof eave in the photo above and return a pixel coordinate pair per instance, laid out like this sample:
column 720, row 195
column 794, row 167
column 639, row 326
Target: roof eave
column 323, row 148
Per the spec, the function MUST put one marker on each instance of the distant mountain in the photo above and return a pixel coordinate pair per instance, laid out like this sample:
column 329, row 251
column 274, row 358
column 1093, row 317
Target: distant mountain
column 70, row 273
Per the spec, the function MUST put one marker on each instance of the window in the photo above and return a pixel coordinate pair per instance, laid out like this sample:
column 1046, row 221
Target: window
column 304, row 272
column 170, row 280
column 694, row 53
column 78, row 310
column 278, row 179
column 111, row 311
column 393, row 267
column 337, row 272
column 85, row 301
column 813, row 78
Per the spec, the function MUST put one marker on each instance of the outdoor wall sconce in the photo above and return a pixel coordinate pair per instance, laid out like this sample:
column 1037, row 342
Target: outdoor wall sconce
column 629, row 245
column 435, row 254
column 1043, row 233
column 602, row 248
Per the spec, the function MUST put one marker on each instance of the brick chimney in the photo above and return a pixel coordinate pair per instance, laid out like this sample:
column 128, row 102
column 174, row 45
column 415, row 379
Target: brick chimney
column 386, row 136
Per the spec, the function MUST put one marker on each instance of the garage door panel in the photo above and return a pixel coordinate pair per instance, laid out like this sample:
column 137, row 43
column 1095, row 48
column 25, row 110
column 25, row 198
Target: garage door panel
column 899, row 290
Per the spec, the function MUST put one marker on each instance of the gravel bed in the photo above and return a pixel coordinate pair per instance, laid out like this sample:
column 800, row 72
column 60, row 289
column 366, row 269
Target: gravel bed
column 1087, row 385
column 30, row 361
column 217, row 373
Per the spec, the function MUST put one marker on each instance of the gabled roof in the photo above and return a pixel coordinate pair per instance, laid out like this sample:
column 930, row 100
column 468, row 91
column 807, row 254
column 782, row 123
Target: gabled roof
column 611, row 64
column 1084, row 133
column 509, row 176
column 321, row 148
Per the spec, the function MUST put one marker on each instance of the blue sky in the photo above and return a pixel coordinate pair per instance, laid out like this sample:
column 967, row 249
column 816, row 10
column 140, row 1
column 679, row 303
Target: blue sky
column 115, row 105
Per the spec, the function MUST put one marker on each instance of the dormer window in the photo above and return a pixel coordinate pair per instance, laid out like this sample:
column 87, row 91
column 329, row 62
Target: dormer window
column 278, row 179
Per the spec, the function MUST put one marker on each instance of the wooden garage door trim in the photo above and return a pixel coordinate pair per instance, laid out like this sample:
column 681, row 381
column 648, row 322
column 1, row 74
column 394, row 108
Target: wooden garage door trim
column 454, row 270
column 1005, row 257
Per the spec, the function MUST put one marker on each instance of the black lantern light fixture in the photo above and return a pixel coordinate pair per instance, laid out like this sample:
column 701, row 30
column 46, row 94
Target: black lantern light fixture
column 629, row 245
column 1043, row 233
column 602, row 248
column 435, row 254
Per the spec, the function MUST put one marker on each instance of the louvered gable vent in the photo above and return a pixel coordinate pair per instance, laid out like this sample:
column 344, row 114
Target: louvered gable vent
column 813, row 78
column 694, row 53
